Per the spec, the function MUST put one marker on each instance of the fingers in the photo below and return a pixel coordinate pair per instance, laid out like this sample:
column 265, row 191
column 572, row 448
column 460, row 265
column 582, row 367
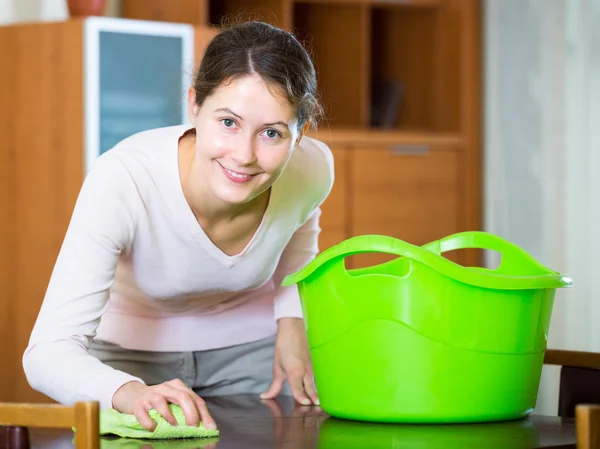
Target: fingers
column 207, row 420
column 184, row 400
column 311, row 389
column 141, row 414
column 204, row 414
column 275, row 387
column 296, row 381
column 159, row 403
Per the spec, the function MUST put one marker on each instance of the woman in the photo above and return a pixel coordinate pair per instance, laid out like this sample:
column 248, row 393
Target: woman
column 167, row 285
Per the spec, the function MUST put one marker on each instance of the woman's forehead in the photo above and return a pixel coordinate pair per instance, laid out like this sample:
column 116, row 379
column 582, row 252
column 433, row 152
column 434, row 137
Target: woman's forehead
column 251, row 97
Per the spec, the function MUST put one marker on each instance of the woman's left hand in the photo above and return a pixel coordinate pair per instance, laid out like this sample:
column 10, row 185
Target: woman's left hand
column 292, row 362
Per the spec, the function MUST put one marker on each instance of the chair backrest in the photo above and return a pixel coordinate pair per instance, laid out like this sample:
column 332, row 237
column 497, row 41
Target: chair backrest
column 587, row 421
column 84, row 416
column 579, row 379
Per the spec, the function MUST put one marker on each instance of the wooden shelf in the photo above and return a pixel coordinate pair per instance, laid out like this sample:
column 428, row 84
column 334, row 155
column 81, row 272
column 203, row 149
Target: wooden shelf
column 275, row 12
column 400, row 80
column 340, row 58
column 418, row 179
column 390, row 3
column 362, row 137
column 400, row 64
column 413, row 197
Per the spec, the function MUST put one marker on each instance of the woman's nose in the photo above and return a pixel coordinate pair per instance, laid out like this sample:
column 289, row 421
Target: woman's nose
column 244, row 152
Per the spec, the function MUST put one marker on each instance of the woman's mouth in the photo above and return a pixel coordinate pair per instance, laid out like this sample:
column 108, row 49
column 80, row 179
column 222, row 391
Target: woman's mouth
column 235, row 176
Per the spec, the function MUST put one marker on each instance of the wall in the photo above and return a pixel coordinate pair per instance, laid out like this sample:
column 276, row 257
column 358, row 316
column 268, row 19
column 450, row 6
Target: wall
column 542, row 150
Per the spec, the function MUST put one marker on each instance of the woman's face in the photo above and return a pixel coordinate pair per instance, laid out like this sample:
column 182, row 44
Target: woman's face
column 245, row 134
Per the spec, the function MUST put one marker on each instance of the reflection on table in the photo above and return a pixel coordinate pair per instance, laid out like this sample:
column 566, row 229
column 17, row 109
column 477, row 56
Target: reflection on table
column 246, row 422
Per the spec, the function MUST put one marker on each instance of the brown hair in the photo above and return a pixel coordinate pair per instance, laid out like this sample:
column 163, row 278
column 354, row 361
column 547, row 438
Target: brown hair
column 259, row 48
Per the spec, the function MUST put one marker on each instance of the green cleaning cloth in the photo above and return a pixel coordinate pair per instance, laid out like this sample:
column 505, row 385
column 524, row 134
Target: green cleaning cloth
column 112, row 442
column 113, row 422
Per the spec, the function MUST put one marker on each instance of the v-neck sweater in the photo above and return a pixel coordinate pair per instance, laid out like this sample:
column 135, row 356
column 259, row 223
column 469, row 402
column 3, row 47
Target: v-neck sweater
column 136, row 268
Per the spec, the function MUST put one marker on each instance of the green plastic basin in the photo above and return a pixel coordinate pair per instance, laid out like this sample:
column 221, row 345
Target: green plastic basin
column 422, row 339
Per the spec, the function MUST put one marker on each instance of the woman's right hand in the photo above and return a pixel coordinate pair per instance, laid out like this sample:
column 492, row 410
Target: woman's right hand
column 138, row 399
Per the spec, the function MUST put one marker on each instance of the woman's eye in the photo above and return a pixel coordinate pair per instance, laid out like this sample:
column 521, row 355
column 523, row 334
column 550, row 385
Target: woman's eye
column 272, row 134
column 228, row 122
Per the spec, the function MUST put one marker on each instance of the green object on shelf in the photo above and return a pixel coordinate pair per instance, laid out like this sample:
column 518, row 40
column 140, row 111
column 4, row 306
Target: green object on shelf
column 423, row 339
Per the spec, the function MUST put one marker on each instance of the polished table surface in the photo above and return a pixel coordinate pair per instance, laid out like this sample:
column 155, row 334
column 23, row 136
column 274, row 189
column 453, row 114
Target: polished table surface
column 246, row 422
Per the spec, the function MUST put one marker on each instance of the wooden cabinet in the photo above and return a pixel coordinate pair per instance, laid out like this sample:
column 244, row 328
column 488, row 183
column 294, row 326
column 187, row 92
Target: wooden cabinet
column 52, row 126
column 405, row 191
column 404, row 185
column 400, row 82
column 416, row 178
column 334, row 222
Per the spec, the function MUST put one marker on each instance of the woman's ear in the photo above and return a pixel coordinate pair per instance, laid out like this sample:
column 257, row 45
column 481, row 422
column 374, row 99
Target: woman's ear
column 192, row 106
column 302, row 132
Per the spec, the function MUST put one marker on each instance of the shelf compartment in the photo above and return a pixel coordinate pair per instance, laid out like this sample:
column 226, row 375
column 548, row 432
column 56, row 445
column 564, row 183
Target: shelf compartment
column 418, row 49
column 180, row 11
column 390, row 3
column 336, row 35
column 409, row 195
column 275, row 12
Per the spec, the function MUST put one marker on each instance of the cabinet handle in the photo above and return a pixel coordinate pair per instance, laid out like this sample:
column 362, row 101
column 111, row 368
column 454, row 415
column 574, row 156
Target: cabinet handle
column 409, row 149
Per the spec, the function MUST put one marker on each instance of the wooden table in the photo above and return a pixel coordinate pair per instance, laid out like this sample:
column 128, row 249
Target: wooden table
column 247, row 423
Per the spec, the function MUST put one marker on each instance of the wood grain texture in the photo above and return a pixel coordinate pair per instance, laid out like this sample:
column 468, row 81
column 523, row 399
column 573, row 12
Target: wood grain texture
column 362, row 137
column 44, row 134
column 334, row 216
column 336, row 49
column 587, row 421
column 87, row 424
column 7, row 84
column 275, row 12
column 85, row 416
column 386, row 3
column 37, row 415
column 448, row 68
column 471, row 166
column 412, row 197
column 578, row 359
column 403, row 48
column 365, row 59
column 203, row 34
column 181, row 11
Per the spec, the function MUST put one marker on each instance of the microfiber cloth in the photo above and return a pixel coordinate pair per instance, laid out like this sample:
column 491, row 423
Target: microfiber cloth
column 113, row 422
column 112, row 442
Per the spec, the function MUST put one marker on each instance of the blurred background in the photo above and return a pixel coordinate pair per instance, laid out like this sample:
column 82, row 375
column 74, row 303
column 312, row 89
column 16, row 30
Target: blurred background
column 443, row 116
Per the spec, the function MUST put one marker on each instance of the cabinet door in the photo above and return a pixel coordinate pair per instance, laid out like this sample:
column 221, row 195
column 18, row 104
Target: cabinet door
column 136, row 79
column 411, row 193
column 334, row 221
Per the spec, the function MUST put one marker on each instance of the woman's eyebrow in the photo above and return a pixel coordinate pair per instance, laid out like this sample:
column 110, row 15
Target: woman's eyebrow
column 285, row 125
column 229, row 111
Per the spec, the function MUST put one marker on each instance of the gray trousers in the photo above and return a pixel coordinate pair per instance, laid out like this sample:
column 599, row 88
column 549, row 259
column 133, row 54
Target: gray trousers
column 241, row 369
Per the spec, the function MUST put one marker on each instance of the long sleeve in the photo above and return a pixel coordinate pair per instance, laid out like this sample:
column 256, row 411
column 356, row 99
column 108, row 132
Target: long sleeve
column 316, row 170
column 56, row 361
column 301, row 249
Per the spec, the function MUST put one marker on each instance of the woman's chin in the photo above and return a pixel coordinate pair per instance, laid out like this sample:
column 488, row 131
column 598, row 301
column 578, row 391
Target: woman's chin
column 236, row 195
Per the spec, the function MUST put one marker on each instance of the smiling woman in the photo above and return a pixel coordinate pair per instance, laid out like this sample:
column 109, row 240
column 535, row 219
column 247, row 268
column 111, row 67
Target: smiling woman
column 168, row 283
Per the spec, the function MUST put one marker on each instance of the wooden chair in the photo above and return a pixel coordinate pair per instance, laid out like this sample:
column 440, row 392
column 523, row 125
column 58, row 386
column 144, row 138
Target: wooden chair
column 579, row 379
column 84, row 416
column 587, row 421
